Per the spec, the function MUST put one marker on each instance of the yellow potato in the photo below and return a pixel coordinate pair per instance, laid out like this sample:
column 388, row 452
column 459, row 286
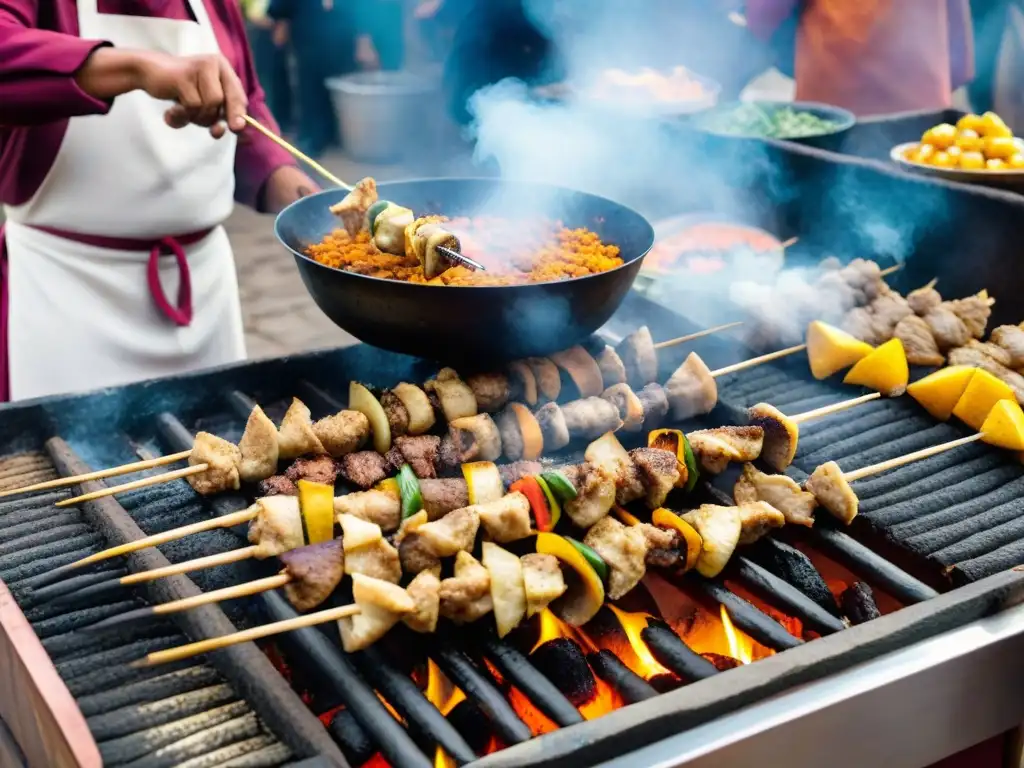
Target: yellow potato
column 941, row 136
column 972, row 161
column 995, row 164
column 954, row 152
column 970, row 122
column 943, row 160
column 923, row 154
column 969, row 140
column 1016, row 160
column 999, row 148
column 993, row 127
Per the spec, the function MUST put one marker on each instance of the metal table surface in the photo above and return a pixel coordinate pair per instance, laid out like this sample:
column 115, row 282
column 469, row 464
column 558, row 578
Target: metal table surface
column 907, row 709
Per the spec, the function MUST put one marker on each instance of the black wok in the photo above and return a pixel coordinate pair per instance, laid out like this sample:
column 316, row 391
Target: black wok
column 475, row 325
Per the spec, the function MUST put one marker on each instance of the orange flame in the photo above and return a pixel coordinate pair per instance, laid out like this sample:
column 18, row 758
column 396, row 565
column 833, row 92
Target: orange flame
column 632, row 624
column 445, row 696
column 552, row 628
column 741, row 647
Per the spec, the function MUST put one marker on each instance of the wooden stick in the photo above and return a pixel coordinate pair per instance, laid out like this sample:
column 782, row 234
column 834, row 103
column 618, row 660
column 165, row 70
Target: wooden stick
column 124, row 469
column 758, row 360
column 899, row 461
column 227, row 593
column 144, row 482
column 790, row 243
column 696, row 335
column 889, row 270
column 198, row 564
column 256, row 633
column 827, row 410
column 298, row 154
column 224, row 521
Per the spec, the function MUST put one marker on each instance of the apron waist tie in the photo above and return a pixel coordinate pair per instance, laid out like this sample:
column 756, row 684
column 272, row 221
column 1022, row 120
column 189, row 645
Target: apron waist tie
column 182, row 313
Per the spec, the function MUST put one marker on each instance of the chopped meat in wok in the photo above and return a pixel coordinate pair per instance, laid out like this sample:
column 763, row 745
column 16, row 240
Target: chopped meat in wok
column 420, row 453
column 624, row 550
column 397, row 413
column 476, row 437
column 923, row 300
column 918, row 342
column 258, row 447
column 442, row 496
column 378, row 507
column 715, row 448
column 296, row 436
column 833, row 491
column 590, row 417
column 595, row 494
column 277, row 485
column 316, row 571
column 277, row 526
column 1010, row 338
column 948, row 329
column 343, row 432
column 222, row 459
column 352, row 208
column 425, row 591
column 506, row 519
column 466, row 596
column 318, row 469
column 553, row 427
column 613, row 370
column 974, row 311
column 491, row 391
column 782, row 492
column 756, row 519
column 364, row 468
column 659, row 472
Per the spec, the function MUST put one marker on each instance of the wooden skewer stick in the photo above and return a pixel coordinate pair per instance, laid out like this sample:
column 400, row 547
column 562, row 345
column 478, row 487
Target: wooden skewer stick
column 889, row 270
column 696, row 335
column 297, row 154
column 100, row 474
column 899, row 461
column 198, row 564
column 256, row 633
column 827, row 410
column 743, row 365
column 224, row 521
column 144, row 482
column 790, row 243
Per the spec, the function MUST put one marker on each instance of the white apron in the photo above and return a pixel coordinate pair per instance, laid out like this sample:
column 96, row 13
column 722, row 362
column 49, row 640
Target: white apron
column 83, row 316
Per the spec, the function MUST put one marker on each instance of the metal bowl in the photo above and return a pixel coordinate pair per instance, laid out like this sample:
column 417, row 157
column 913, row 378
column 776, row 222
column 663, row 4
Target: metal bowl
column 477, row 325
column 1011, row 178
column 830, row 140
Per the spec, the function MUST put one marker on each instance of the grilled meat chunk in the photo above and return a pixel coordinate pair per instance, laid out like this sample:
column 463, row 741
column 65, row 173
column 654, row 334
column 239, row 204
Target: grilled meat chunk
column 277, row 526
column 466, row 596
column 352, row 208
column 977, row 358
column 542, row 581
column 887, row 310
column 923, row 300
column 629, row 406
column 715, row 448
column 364, row 469
column 420, row 453
column 296, row 436
column 613, row 370
column 595, row 494
column 416, row 554
column 456, row 398
column 590, row 417
column 918, row 341
column 443, row 496
column 659, row 472
column 553, row 427
column 318, row 469
column 278, row 485
column 508, row 592
column 782, row 492
column 522, row 383
column 860, row 323
column 448, row 455
column 378, row 560
column 756, row 519
column 691, row 390
column 258, row 447
column 343, row 432
column 381, row 605
column 397, row 413
column 833, row 492
column 719, row 528
column 948, row 329
column 316, row 571
column 545, row 373
column 376, row 507
column 781, row 435
column 1010, row 338
column 476, row 438
column 655, row 402
column 418, row 408
column 974, row 311
column 491, row 391
column 453, row 533
column 222, row 459
column 506, row 519
column 425, row 591
column 581, row 369
column 994, row 351
column 623, row 549
column 639, row 357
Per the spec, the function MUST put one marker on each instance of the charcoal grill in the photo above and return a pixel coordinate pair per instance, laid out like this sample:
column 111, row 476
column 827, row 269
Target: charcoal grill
column 914, row 543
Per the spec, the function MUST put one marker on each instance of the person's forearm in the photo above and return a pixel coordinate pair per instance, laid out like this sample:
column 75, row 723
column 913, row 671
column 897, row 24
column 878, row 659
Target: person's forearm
column 108, row 73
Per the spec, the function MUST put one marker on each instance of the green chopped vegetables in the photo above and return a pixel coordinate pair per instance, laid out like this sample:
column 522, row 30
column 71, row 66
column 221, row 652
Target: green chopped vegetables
column 769, row 122
column 594, row 560
column 559, row 485
column 409, row 488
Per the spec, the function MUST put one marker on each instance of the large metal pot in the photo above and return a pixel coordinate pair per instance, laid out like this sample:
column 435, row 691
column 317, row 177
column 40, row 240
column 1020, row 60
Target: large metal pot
column 385, row 116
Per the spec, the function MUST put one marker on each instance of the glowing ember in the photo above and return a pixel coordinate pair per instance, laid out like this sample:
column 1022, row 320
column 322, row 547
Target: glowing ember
column 740, row 645
column 445, row 696
column 552, row 628
column 632, row 624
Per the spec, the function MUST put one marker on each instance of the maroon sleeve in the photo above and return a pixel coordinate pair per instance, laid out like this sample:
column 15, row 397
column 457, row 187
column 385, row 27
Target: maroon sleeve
column 257, row 156
column 37, row 68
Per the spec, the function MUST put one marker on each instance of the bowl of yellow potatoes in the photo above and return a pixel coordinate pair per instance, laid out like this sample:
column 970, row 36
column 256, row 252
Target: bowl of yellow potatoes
column 979, row 149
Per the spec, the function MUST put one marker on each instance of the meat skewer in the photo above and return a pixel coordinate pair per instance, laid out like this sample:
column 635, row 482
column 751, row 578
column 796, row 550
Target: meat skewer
column 696, row 335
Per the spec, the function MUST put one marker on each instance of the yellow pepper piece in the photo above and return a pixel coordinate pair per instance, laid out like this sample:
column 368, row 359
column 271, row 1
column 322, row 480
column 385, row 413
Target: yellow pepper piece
column 625, row 516
column 830, row 349
column 674, row 441
column 483, row 482
column 665, row 518
column 585, row 595
column 939, row 392
column 316, row 502
column 983, row 391
column 1004, row 426
column 389, row 485
column 885, row 370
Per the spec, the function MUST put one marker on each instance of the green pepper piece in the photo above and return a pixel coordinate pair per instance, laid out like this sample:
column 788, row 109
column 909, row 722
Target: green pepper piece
column 692, row 473
column 409, row 488
column 593, row 559
column 553, row 506
column 373, row 212
column 559, row 485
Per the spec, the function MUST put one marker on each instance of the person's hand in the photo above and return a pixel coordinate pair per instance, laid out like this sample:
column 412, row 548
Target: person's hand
column 427, row 9
column 286, row 185
column 366, row 53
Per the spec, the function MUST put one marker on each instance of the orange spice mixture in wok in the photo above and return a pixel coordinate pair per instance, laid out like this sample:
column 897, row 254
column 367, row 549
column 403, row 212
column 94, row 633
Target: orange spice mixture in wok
column 513, row 252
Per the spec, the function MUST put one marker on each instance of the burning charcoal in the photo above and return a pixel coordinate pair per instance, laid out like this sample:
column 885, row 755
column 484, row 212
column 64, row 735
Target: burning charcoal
column 858, row 603
column 562, row 661
column 671, row 652
column 794, row 567
column 722, row 663
column 467, row 718
column 354, row 741
column 625, row 681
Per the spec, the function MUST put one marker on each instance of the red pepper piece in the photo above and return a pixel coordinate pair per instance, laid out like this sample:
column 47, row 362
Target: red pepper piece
column 530, row 488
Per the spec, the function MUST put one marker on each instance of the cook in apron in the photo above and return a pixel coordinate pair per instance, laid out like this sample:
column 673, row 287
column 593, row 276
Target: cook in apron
column 117, row 268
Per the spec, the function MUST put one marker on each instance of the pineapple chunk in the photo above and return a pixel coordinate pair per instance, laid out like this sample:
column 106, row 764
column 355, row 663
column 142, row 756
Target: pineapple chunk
column 830, row 349
column 884, row 370
column 983, row 391
column 939, row 392
column 1004, row 426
